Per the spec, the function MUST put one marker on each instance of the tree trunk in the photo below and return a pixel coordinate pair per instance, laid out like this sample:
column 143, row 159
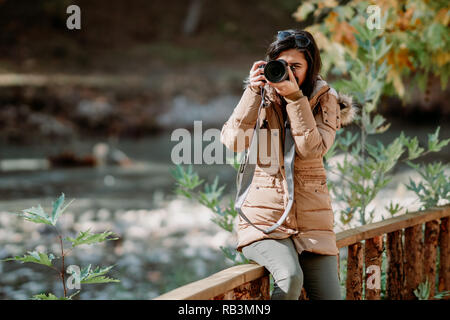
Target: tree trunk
column 193, row 17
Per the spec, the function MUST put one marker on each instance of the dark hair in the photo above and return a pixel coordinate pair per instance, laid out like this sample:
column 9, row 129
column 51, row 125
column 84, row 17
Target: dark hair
column 314, row 65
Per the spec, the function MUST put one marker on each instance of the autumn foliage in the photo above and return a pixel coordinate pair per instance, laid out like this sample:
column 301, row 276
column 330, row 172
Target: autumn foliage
column 417, row 29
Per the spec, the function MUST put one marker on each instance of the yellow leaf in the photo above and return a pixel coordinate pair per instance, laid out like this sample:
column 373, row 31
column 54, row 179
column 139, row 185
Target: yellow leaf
column 400, row 58
column 442, row 16
column 403, row 21
column 322, row 41
column 394, row 77
column 331, row 20
column 382, row 129
column 303, row 11
column 441, row 58
column 385, row 5
column 343, row 33
column 330, row 3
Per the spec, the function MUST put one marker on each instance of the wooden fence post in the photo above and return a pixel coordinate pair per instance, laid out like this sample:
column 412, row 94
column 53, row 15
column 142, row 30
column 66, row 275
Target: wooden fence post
column 354, row 272
column 394, row 272
column 413, row 260
column 444, row 256
column 373, row 258
column 429, row 254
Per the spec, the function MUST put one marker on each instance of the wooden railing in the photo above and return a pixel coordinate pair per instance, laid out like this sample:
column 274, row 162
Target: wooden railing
column 410, row 242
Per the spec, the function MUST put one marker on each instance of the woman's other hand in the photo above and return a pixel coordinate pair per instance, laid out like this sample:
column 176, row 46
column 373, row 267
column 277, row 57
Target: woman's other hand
column 286, row 87
column 257, row 78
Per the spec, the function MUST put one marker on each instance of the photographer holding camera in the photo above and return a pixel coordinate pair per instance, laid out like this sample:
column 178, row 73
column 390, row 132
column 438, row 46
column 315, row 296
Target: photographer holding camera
column 285, row 215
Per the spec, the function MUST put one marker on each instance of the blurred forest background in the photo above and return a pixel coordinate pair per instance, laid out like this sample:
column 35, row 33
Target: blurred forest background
column 89, row 113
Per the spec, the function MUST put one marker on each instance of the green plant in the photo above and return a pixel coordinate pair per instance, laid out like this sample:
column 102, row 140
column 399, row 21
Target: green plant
column 78, row 276
column 188, row 184
column 435, row 186
column 422, row 292
column 366, row 168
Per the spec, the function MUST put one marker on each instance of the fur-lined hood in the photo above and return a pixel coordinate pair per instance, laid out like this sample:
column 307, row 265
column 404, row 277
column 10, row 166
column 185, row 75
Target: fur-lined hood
column 349, row 109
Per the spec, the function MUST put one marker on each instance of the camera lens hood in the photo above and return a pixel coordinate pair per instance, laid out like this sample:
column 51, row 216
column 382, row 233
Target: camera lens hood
column 276, row 70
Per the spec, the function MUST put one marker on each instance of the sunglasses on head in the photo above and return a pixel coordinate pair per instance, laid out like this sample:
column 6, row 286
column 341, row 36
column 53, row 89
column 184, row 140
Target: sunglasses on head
column 300, row 40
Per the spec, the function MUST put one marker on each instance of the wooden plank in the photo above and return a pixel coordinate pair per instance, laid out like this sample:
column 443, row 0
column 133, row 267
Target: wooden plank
column 216, row 284
column 258, row 289
column 373, row 251
column 395, row 271
column 348, row 237
column 430, row 253
column 413, row 260
column 354, row 272
column 444, row 256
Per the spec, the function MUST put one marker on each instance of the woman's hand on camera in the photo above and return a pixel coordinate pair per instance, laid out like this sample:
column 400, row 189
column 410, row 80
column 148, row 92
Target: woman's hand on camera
column 257, row 77
column 286, row 87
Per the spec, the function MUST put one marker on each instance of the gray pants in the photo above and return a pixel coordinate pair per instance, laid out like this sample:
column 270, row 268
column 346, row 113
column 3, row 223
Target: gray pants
column 291, row 271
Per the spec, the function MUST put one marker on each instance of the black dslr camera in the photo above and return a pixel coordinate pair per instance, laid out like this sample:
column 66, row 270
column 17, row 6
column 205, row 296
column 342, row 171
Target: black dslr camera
column 276, row 70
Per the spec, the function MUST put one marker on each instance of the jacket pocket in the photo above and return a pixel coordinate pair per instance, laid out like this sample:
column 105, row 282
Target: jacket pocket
column 313, row 199
column 311, row 190
column 311, row 177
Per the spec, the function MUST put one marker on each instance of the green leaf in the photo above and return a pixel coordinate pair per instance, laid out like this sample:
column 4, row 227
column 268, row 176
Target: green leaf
column 89, row 276
column 235, row 256
column 36, row 215
column 433, row 142
column 186, row 179
column 34, row 257
column 57, row 208
column 87, row 237
column 73, row 295
column 212, row 195
column 101, row 279
column 393, row 209
column 236, row 160
column 414, row 151
column 441, row 295
column 50, row 296
column 422, row 292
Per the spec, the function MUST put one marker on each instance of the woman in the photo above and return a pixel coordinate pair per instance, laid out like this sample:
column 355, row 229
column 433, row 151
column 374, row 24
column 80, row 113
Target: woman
column 302, row 251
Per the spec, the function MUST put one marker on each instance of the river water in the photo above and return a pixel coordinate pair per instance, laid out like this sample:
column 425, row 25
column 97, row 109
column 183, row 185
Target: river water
column 165, row 241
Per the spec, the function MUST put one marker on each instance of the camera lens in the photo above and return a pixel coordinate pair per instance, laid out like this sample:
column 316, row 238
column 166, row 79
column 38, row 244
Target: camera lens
column 276, row 70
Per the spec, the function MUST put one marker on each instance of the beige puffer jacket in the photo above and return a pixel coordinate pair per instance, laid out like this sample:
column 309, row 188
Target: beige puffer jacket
column 314, row 123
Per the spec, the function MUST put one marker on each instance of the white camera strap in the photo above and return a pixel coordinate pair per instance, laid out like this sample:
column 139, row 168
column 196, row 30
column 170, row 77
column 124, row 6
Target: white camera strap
column 247, row 170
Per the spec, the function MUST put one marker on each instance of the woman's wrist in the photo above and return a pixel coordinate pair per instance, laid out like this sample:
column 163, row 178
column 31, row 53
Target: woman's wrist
column 294, row 96
column 257, row 91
